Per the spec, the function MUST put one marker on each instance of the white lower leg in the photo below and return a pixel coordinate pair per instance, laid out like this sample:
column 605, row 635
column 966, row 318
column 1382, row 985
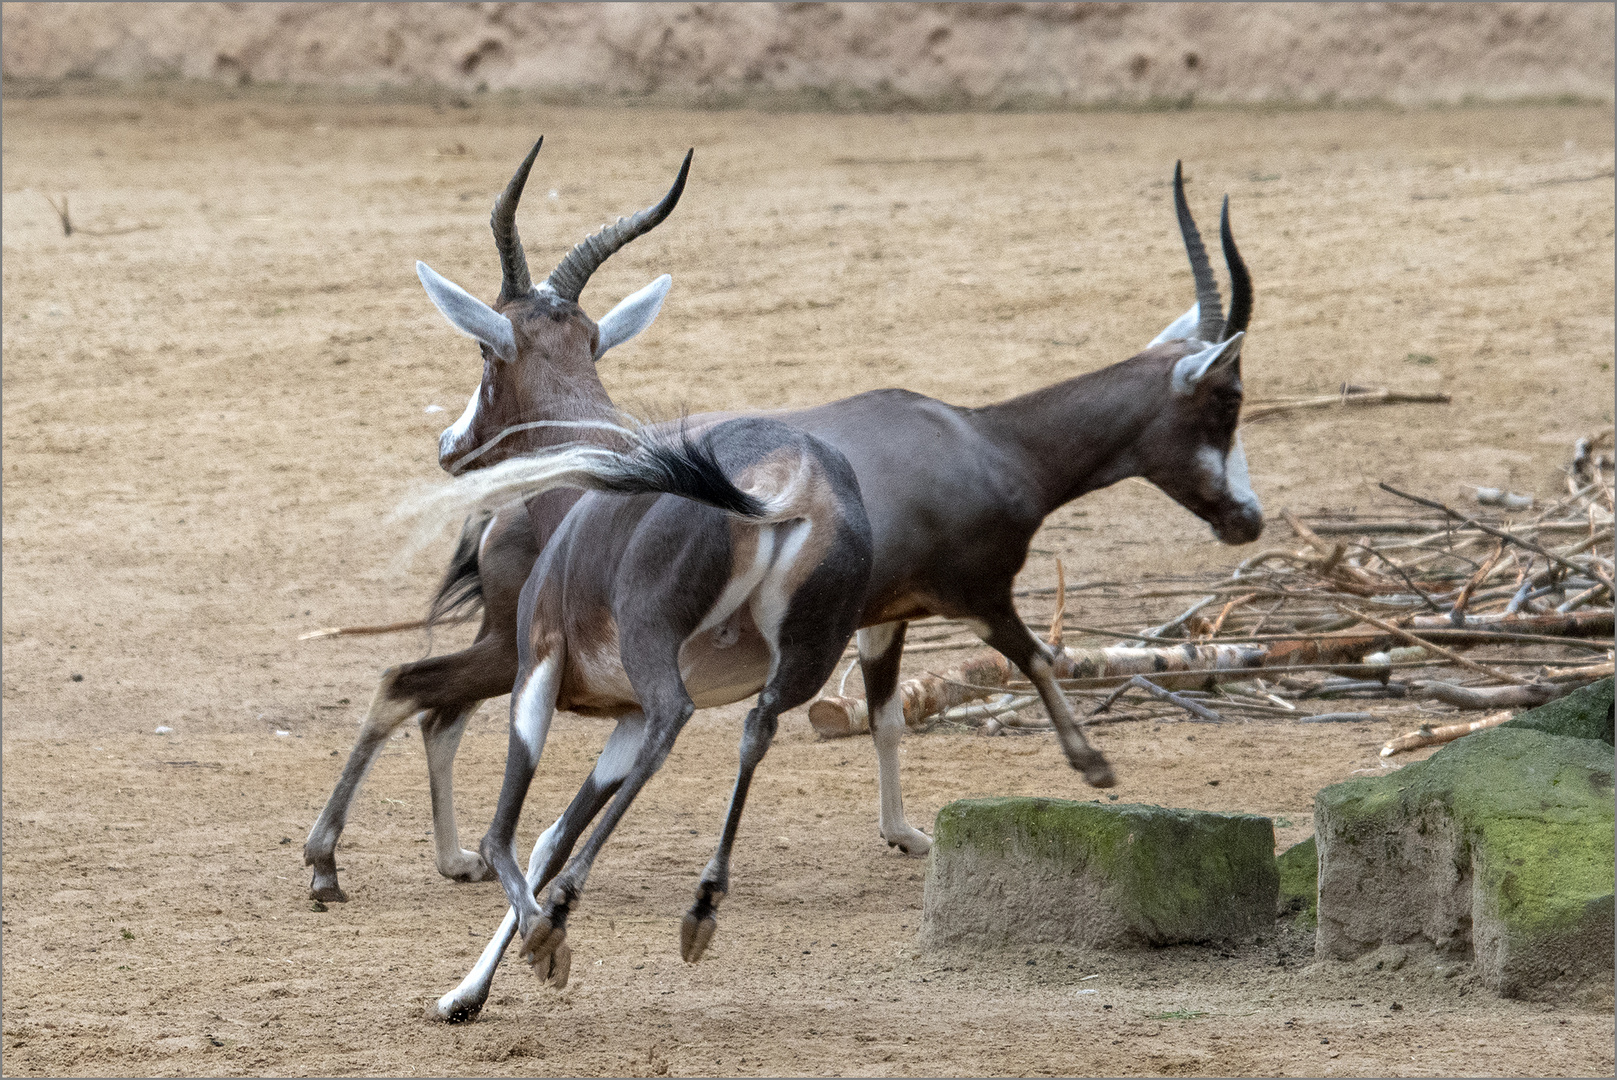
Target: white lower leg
column 887, row 726
column 464, row 1000
column 453, row 861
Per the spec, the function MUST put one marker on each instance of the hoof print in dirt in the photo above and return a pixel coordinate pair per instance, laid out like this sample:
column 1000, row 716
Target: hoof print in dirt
column 1497, row 848
column 1013, row 872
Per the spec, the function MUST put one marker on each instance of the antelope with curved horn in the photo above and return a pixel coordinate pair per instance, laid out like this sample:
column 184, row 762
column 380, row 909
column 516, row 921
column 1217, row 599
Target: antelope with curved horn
column 557, row 397
column 951, row 529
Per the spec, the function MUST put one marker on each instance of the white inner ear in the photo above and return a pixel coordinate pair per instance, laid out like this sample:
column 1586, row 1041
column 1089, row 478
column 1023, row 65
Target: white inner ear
column 1181, row 327
column 1190, row 369
column 633, row 314
column 468, row 314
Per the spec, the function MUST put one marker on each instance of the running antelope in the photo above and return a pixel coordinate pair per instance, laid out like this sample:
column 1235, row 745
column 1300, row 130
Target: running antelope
column 951, row 529
column 693, row 575
column 561, row 400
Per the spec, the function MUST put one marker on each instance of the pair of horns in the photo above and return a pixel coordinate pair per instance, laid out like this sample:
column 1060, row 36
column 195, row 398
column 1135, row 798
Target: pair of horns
column 573, row 272
column 1212, row 326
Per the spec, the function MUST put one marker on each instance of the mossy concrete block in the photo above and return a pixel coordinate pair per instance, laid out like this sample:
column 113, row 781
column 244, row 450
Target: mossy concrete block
column 1013, row 872
column 1582, row 714
column 1299, row 881
column 1498, row 847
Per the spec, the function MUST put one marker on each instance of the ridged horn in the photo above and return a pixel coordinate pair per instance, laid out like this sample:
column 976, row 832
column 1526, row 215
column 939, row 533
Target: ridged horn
column 514, row 279
column 573, row 273
column 1210, row 328
column 1240, row 280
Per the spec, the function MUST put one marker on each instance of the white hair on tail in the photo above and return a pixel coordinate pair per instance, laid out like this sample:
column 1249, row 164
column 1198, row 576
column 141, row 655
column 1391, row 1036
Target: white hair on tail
column 573, row 465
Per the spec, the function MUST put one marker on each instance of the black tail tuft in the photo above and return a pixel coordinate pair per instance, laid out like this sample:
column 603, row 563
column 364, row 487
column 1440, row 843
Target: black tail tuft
column 687, row 468
column 461, row 591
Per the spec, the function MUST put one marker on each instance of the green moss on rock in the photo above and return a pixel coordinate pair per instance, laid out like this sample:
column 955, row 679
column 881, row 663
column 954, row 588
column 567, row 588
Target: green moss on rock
column 1010, row 871
column 1582, row 714
column 1501, row 845
column 1299, row 881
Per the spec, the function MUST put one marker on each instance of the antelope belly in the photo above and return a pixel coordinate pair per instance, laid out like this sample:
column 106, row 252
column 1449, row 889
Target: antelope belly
column 725, row 664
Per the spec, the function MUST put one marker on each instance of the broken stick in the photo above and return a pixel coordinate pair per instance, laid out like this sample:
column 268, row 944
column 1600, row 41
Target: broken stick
column 1429, row 736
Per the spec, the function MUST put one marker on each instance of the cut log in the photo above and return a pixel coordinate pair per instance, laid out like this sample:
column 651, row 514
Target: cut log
column 985, row 674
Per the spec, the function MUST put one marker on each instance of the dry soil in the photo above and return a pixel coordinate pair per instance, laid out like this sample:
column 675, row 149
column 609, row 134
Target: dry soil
column 219, row 386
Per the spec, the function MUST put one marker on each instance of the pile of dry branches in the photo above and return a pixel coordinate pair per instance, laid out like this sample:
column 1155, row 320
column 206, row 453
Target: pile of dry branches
column 1435, row 610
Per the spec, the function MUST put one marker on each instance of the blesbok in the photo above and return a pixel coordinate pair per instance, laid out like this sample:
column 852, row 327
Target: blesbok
column 952, row 526
column 692, row 575
column 561, row 400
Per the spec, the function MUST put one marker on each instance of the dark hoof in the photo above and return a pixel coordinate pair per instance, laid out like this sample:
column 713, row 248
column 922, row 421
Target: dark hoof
column 329, row 894
column 1097, row 772
column 546, row 950
column 694, row 935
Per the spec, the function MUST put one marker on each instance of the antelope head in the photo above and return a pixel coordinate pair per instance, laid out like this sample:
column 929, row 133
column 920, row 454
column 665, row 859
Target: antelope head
column 1191, row 449
column 539, row 348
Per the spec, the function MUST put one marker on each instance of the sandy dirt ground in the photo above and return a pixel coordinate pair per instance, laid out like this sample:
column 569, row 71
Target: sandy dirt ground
column 218, row 388
column 853, row 56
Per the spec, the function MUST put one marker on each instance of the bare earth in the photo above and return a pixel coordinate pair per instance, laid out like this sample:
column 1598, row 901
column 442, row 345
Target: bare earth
column 214, row 393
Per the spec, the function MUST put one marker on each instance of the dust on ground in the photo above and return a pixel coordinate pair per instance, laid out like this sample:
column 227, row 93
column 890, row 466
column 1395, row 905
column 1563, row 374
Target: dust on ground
column 216, row 390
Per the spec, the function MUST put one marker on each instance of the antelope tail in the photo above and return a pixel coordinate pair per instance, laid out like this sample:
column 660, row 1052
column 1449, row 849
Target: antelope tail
column 672, row 465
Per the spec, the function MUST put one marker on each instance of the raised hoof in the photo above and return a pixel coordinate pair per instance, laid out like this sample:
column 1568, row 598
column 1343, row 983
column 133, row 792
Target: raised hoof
column 453, row 1012
column 546, row 950
column 695, row 932
column 1097, row 772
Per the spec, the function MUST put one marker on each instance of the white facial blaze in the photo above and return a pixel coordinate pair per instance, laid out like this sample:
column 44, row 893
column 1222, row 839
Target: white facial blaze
column 1225, row 475
column 456, row 433
column 1236, row 479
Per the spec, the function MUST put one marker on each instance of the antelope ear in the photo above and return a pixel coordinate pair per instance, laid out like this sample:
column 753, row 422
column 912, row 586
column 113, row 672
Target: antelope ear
column 632, row 315
column 1191, row 369
column 1180, row 328
column 468, row 314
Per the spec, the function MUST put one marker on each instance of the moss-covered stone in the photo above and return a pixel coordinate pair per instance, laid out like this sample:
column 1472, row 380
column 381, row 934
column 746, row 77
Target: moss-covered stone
column 1499, row 846
column 1299, row 881
column 1582, row 714
column 1011, row 872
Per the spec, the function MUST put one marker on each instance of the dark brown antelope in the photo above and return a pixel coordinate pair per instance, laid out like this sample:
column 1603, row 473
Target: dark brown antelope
column 951, row 529
column 561, row 400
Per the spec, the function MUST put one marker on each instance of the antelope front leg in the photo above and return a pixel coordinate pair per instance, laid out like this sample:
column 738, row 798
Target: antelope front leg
column 1011, row 636
column 554, row 845
column 545, row 933
column 533, row 704
column 880, row 648
column 441, row 730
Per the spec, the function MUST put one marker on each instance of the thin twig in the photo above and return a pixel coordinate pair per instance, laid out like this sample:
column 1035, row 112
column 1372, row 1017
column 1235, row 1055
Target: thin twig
column 1474, row 523
column 1200, row 712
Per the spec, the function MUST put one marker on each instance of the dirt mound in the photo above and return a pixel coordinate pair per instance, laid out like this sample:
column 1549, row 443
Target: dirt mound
column 877, row 55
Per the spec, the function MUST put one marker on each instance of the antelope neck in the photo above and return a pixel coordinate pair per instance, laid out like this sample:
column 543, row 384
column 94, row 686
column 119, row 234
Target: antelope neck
column 1077, row 436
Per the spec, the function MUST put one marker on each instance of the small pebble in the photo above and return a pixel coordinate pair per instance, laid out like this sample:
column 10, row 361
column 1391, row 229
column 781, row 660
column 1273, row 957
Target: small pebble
column 162, row 729
column 283, row 734
column 76, row 677
column 433, row 408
